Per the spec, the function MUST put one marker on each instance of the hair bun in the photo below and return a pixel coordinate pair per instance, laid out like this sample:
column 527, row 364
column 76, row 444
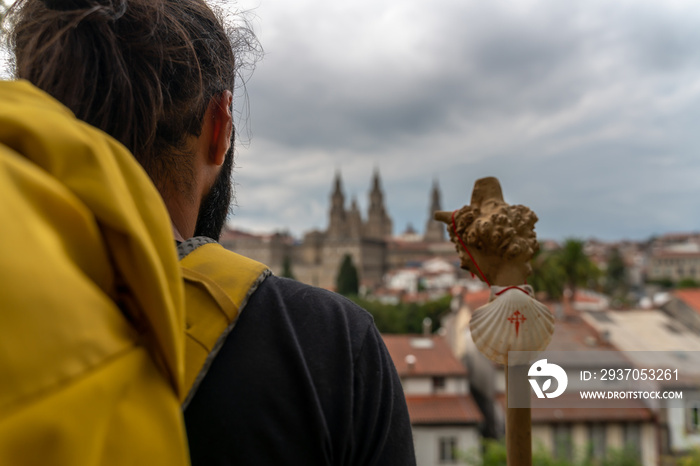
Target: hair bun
column 111, row 9
column 66, row 5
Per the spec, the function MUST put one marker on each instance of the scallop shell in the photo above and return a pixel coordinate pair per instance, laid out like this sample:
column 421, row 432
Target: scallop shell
column 511, row 321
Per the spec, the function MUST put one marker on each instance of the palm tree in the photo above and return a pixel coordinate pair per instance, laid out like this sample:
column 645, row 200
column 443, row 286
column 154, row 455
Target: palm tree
column 616, row 274
column 578, row 268
column 547, row 274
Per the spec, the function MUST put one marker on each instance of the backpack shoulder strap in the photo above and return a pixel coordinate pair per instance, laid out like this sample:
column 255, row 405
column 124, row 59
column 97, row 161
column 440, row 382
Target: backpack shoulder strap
column 218, row 283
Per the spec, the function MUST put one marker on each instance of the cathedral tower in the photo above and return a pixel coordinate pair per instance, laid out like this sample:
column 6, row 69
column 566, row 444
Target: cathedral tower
column 354, row 220
column 434, row 230
column 378, row 224
column 337, row 227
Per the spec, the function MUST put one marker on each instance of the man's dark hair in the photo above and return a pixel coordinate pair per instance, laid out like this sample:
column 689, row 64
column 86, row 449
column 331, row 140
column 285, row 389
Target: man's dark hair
column 143, row 71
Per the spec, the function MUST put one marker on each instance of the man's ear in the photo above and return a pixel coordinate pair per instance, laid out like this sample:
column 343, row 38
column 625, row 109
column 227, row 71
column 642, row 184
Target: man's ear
column 222, row 126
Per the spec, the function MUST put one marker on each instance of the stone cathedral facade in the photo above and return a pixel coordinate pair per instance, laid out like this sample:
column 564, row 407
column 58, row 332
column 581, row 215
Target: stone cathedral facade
column 367, row 239
column 344, row 223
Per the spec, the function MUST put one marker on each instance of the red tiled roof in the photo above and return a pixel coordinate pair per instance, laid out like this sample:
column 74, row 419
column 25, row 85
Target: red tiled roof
column 581, row 297
column 677, row 236
column 689, row 296
column 675, row 255
column 623, row 410
column 432, row 359
column 443, row 409
column 420, row 297
column 575, row 334
column 477, row 299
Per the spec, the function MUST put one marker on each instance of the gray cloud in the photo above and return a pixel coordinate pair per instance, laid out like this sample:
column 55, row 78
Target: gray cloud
column 585, row 110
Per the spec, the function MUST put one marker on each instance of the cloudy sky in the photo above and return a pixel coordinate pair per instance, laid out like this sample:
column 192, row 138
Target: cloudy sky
column 587, row 110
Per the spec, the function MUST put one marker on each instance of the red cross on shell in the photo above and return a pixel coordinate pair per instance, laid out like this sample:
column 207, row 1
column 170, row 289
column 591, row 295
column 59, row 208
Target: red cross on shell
column 517, row 318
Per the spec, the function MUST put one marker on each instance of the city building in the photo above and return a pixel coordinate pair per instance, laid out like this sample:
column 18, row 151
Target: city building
column 571, row 428
column 444, row 417
column 684, row 306
column 675, row 257
column 674, row 266
column 654, row 339
column 568, row 428
column 369, row 241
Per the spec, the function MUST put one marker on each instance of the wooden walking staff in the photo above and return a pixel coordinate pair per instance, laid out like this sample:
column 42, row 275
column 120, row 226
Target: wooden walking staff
column 496, row 242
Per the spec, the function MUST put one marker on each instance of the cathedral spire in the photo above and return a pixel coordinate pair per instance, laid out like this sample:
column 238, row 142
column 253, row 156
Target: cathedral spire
column 354, row 220
column 337, row 215
column 338, row 183
column 378, row 224
column 376, row 183
column 434, row 230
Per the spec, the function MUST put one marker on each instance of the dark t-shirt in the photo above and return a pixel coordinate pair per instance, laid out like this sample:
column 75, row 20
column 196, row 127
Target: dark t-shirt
column 304, row 378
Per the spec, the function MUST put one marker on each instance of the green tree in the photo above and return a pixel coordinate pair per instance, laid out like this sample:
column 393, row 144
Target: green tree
column 692, row 458
column 665, row 282
column 493, row 453
column 578, row 268
column 687, row 283
column 347, row 282
column 405, row 317
column 568, row 267
column 547, row 274
column 287, row 268
column 616, row 274
column 388, row 318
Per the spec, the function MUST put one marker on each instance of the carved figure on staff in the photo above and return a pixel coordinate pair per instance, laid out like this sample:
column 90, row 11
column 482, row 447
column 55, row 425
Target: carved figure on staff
column 496, row 242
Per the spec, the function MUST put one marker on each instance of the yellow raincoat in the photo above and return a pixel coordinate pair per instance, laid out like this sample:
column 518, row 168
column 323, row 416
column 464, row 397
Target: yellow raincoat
column 83, row 380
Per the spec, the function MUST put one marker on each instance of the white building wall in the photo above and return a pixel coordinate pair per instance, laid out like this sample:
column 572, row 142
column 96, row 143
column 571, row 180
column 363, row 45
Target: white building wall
column 437, row 265
column 615, row 436
column 650, row 447
column 406, row 280
column 425, row 386
column 463, row 338
column 442, row 281
column 579, row 438
column 456, row 386
column 542, row 437
column 417, row 385
column 427, row 443
column 500, row 381
column 677, row 412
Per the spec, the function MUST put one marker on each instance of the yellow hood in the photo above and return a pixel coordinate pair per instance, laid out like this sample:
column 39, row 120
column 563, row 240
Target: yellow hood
column 82, row 227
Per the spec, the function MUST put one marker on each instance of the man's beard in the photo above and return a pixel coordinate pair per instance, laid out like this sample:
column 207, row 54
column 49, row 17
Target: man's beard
column 215, row 205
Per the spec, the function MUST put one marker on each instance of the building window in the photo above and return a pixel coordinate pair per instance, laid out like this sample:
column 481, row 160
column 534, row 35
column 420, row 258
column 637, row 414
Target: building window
column 693, row 417
column 448, row 450
column 596, row 438
column 633, row 438
column 563, row 445
column 438, row 384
